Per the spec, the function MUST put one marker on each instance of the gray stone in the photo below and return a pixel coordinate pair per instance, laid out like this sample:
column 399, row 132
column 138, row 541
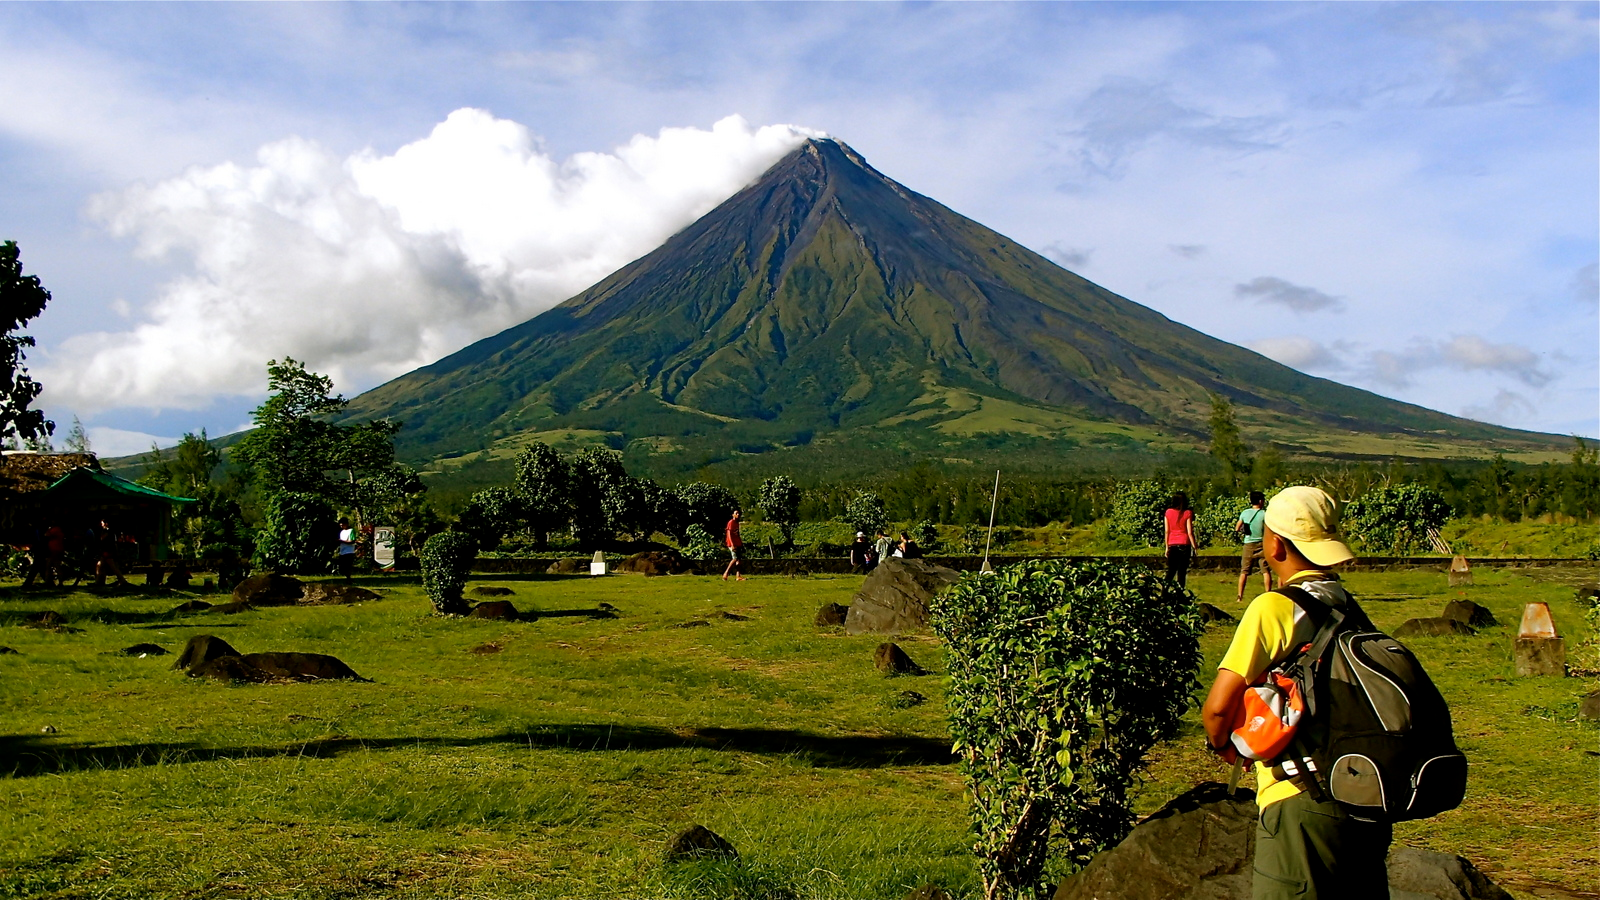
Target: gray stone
column 140, row 650
column 894, row 598
column 1425, row 875
column 568, row 567
column 269, row 589
column 1433, row 626
column 653, row 563
column 494, row 609
column 1540, row 656
column 7, row 650
column 1201, row 846
column 201, row 649
column 831, row 614
column 1588, row 708
column 699, row 842
column 263, row 668
column 332, row 593
column 1471, row 613
column 891, row 660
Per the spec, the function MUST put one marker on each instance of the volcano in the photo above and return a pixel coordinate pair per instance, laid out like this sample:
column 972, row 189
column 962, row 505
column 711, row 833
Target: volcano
column 827, row 299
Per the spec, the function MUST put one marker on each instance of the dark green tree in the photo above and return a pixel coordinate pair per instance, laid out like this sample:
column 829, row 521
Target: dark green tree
column 1227, row 446
column 492, row 514
column 865, row 513
column 545, row 484
column 780, row 500
column 710, row 505
column 22, row 298
column 298, row 535
column 213, row 527
column 605, row 499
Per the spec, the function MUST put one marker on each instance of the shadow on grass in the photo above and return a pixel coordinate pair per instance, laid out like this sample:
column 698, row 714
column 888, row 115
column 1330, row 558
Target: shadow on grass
column 531, row 614
column 23, row 756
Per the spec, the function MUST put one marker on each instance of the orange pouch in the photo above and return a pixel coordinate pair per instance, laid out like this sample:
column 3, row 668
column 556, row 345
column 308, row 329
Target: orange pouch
column 1268, row 717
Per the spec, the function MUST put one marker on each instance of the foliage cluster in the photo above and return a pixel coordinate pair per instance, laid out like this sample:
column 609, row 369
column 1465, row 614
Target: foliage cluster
column 1394, row 519
column 295, row 533
column 22, row 298
column 446, row 561
column 1062, row 677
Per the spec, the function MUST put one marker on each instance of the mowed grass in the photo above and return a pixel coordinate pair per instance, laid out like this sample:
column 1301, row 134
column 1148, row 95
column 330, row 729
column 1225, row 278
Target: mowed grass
column 561, row 764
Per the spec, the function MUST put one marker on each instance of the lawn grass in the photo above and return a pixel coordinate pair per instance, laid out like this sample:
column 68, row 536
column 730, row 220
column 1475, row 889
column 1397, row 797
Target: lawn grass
column 560, row 765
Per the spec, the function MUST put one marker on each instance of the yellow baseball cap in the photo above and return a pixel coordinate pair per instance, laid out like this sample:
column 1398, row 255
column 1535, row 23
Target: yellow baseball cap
column 1309, row 517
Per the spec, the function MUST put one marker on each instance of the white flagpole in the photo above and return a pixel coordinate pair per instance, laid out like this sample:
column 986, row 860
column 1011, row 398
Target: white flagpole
column 994, row 501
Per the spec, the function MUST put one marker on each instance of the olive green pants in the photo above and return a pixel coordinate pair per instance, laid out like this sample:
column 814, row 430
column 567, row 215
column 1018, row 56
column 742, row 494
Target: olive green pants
column 1314, row 851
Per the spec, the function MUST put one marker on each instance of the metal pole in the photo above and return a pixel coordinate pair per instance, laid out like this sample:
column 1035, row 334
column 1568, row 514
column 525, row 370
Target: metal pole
column 994, row 500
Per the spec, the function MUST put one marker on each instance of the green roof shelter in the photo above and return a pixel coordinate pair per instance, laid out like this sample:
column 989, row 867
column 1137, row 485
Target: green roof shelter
column 85, row 494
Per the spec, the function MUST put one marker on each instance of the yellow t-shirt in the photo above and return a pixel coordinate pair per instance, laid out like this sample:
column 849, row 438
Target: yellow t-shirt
column 1272, row 626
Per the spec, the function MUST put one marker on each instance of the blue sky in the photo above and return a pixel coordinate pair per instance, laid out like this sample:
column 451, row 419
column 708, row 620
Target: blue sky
column 1403, row 197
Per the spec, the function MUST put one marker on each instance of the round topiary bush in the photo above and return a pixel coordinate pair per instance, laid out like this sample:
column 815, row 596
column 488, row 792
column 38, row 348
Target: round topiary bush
column 446, row 560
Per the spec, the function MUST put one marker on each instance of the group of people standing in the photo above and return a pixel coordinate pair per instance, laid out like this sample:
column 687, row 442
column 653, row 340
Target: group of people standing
column 865, row 555
column 1179, row 527
column 54, row 552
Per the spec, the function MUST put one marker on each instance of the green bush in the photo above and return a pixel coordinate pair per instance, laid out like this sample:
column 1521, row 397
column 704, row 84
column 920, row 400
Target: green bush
column 1136, row 509
column 1395, row 519
column 699, row 545
column 491, row 514
column 446, row 562
column 1214, row 521
column 865, row 512
column 1062, row 676
column 926, row 534
column 298, row 534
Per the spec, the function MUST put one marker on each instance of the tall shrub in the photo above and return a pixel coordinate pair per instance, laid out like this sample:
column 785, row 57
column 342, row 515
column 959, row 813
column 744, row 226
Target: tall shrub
column 780, row 500
column 446, row 562
column 298, row 534
column 865, row 512
column 1062, row 676
column 1395, row 519
column 1136, row 508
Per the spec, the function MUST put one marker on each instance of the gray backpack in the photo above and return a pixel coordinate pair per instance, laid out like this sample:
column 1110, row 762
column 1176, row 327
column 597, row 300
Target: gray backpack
column 1377, row 735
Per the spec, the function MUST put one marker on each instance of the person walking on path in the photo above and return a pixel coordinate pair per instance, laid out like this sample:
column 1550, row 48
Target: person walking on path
column 347, row 549
column 735, row 550
column 1305, row 849
column 1179, row 520
column 1250, row 523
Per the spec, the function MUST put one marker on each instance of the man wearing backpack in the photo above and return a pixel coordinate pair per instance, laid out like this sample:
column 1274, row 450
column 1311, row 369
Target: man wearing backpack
column 1304, row 848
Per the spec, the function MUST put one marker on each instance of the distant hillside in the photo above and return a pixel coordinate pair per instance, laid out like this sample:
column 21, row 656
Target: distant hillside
column 826, row 306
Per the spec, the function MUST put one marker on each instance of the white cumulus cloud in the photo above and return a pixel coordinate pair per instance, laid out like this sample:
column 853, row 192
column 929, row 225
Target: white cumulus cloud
column 1301, row 352
column 369, row 266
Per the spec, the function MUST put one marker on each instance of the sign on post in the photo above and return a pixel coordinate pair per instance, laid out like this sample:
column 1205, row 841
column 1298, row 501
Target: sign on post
column 383, row 541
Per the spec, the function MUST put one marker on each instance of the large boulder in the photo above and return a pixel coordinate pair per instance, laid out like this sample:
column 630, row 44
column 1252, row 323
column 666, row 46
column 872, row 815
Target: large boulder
column 894, row 598
column 332, row 593
column 201, row 649
column 1201, row 846
column 261, row 668
column 1433, row 626
column 269, row 589
column 653, row 562
column 1588, row 707
column 1472, row 614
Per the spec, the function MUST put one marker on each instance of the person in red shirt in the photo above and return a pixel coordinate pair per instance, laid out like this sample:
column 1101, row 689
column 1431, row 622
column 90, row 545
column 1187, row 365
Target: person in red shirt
column 1180, row 539
column 735, row 550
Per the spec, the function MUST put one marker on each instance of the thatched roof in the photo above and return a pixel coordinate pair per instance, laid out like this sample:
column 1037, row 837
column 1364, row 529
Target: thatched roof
column 25, row 472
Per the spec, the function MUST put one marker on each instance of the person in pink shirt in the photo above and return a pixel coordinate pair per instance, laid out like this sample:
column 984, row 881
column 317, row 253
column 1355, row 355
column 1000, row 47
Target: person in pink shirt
column 735, row 549
column 1180, row 539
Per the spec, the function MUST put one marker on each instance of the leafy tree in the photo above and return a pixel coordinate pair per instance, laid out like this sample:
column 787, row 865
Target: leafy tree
column 395, row 495
column 446, row 562
column 545, row 484
column 701, row 545
column 76, row 441
column 1227, row 447
column 780, row 500
column 1395, row 519
column 865, row 512
column 926, row 535
column 1062, row 677
column 215, row 525
column 605, row 499
column 709, row 505
column 490, row 515
column 663, row 510
column 298, row 534
column 22, row 298
column 294, row 446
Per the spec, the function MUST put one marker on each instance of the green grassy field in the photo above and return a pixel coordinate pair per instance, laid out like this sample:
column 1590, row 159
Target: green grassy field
column 556, row 757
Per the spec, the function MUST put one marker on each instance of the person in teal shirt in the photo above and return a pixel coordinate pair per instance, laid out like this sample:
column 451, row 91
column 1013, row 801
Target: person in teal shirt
column 1250, row 524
